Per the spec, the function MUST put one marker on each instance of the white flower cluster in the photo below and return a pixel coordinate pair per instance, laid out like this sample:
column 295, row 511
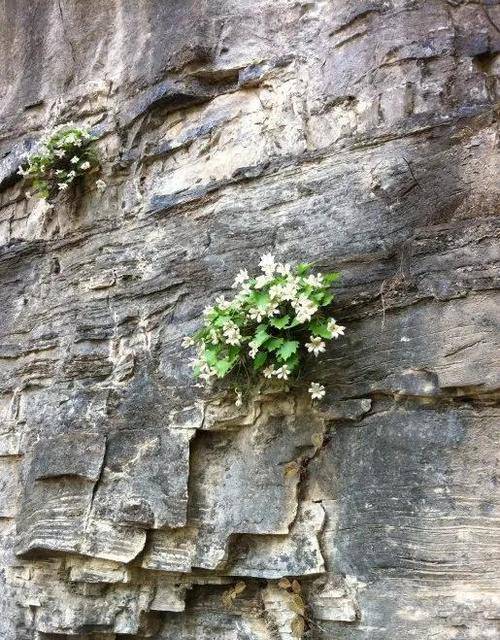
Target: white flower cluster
column 272, row 321
column 62, row 155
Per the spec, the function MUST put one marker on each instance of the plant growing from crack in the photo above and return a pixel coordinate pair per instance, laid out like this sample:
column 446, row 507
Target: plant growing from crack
column 273, row 321
column 297, row 605
column 63, row 156
column 230, row 595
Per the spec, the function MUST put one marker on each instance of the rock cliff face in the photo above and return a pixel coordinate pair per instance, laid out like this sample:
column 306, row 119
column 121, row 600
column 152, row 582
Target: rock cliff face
column 359, row 135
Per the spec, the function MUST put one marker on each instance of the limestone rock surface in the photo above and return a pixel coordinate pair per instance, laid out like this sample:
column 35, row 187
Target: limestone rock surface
column 361, row 136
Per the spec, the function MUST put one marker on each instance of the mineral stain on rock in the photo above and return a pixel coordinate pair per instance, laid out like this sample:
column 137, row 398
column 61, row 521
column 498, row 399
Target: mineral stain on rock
column 358, row 136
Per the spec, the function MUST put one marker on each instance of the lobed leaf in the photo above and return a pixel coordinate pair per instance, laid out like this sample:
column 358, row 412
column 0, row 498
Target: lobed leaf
column 320, row 328
column 222, row 367
column 280, row 323
column 259, row 360
column 303, row 268
column 274, row 343
column 261, row 299
column 331, row 277
column 287, row 349
column 261, row 336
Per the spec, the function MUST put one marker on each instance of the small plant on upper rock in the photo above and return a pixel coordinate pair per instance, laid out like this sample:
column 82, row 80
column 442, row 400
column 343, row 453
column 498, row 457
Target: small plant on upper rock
column 63, row 156
column 274, row 320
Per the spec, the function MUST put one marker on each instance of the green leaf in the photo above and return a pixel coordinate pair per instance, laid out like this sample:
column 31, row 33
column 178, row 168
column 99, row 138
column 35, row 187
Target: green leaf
column 261, row 299
column 220, row 320
column 326, row 299
column 294, row 323
column 260, row 360
column 321, row 298
column 328, row 278
column 261, row 336
column 293, row 362
column 274, row 344
column 287, row 349
column 303, row 268
column 223, row 366
column 201, row 334
column 315, row 296
column 233, row 353
column 280, row 323
column 250, row 297
column 318, row 328
column 211, row 356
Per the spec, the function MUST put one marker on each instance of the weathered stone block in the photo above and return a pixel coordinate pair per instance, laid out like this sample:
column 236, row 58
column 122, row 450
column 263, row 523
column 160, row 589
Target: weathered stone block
column 239, row 482
column 80, row 455
column 145, row 478
column 295, row 554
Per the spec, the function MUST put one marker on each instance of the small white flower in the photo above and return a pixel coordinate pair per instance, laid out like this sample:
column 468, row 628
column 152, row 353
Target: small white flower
column 283, row 269
column 207, row 311
column 59, row 153
column 222, row 303
column 241, row 278
column 71, row 175
column 253, row 350
column 301, row 301
column 100, row 185
column 316, row 390
column 85, row 165
column 276, row 292
column 269, row 371
column 206, row 373
column 58, row 172
column 304, row 316
column 62, row 186
column 261, row 281
column 75, row 160
column 283, row 372
column 289, row 289
column 232, row 333
column 267, row 264
column 304, row 308
column 316, row 345
column 242, row 294
column 188, row 342
column 21, row 171
column 256, row 314
column 337, row 330
column 239, row 399
column 236, row 303
column 314, row 280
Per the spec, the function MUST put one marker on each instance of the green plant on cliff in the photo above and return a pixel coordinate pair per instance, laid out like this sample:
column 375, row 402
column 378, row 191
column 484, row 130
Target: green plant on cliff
column 62, row 157
column 269, row 326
